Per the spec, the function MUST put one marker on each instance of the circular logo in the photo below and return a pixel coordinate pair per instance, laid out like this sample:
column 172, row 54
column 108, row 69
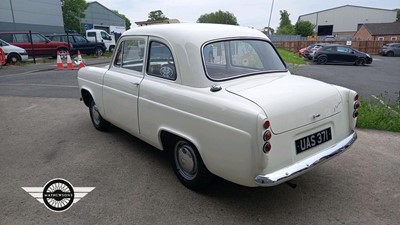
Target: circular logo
column 58, row 195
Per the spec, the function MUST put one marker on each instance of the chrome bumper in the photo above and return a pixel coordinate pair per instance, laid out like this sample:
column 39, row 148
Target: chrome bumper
column 305, row 165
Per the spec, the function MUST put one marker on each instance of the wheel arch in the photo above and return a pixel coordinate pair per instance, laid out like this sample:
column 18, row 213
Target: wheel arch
column 86, row 96
column 168, row 137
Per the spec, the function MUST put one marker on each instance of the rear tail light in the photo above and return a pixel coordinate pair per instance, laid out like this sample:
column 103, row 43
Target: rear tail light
column 356, row 105
column 266, row 124
column 267, row 147
column 267, row 135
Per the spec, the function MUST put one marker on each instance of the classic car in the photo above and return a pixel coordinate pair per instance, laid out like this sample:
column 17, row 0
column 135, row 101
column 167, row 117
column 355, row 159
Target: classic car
column 221, row 101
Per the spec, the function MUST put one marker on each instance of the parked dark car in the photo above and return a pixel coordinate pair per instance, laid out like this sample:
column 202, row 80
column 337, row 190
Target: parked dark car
column 42, row 45
column 310, row 51
column 392, row 49
column 80, row 43
column 341, row 54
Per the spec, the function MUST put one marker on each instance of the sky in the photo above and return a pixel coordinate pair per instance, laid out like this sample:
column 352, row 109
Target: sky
column 249, row 13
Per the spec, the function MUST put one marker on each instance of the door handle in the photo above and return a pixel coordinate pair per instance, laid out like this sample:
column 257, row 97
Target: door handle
column 135, row 84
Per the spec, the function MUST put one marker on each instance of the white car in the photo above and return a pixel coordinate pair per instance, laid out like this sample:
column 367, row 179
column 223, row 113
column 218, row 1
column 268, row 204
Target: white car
column 221, row 101
column 13, row 54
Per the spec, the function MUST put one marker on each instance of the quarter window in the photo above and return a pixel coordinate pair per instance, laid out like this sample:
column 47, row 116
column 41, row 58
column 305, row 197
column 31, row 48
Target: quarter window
column 161, row 62
column 130, row 54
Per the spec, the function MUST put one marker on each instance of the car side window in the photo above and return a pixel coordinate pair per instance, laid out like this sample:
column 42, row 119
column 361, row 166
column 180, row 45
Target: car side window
column 38, row 38
column 130, row 54
column 21, row 38
column 79, row 39
column 161, row 62
column 330, row 49
column 343, row 49
column 91, row 34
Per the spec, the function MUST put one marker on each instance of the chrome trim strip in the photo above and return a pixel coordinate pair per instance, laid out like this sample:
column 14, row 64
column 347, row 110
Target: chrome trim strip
column 305, row 165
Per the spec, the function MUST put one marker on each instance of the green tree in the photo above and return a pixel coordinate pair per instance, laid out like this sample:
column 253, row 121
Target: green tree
column 398, row 14
column 304, row 28
column 156, row 15
column 285, row 26
column 127, row 21
column 73, row 12
column 218, row 17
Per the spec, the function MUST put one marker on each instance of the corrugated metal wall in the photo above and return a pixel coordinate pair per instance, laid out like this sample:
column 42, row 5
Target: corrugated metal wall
column 44, row 16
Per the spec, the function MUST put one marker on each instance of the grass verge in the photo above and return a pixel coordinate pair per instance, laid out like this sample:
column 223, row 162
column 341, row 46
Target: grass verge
column 375, row 114
column 290, row 57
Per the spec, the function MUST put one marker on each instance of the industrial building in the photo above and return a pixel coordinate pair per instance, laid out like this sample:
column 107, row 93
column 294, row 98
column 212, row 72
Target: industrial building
column 100, row 17
column 44, row 16
column 347, row 19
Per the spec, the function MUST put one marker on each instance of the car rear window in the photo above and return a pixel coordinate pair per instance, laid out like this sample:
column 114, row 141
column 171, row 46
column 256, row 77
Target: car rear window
column 235, row 58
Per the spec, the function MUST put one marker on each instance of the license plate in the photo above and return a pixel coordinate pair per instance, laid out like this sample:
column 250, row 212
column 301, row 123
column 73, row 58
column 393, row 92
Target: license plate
column 313, row 140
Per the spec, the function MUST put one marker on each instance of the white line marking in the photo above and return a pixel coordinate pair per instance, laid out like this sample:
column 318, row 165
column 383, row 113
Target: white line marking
column 383, row 103
column 41, row 85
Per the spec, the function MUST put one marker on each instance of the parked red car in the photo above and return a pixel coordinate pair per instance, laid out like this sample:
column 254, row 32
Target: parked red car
column 42, row 45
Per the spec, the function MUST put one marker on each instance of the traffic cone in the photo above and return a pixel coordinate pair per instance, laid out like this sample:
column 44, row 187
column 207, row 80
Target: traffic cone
column 80, row 61
column 60, row 65
column 70, row 66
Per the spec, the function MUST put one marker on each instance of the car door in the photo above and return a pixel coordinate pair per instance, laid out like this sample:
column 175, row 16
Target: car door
column 82, row 44
column 396, row 49
column 121, row 84
column 41, row 45
column 346, row 54
column 22, row 40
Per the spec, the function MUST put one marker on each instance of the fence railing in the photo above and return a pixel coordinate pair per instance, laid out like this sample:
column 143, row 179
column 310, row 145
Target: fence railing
column 370, row 47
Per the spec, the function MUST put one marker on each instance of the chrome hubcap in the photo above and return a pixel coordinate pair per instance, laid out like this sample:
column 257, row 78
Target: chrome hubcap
column 95, row 114
column 185, row 160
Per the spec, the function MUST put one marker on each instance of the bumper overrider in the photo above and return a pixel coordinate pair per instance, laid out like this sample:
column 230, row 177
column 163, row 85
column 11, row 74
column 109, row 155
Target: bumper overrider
column 305, row 165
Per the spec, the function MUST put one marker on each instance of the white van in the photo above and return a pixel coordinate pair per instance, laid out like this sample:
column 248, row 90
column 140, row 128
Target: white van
column 101, row 36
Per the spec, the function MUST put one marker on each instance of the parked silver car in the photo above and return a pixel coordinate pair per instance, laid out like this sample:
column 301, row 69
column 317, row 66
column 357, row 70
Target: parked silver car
column 392, row 49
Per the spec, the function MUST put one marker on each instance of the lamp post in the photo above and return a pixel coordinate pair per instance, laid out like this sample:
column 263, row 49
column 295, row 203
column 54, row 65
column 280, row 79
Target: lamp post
column 270, row 15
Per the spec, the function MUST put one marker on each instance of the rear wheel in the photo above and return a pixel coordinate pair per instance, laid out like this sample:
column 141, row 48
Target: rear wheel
column 13, row 58
column 98, row 51
column 188, row 165
column 390, row 54
column 63, row 52
column 360, row 62
column 98, row 122
column 322, row 60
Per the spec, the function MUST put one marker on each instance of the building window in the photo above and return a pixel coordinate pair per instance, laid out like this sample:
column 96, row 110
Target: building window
column 381, row 38
column 393, row 38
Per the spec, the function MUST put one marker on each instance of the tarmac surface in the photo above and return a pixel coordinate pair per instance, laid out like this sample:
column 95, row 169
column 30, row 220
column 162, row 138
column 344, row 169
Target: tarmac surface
column 42, row 138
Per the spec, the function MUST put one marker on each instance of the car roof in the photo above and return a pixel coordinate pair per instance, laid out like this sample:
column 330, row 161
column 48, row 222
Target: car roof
column 18, row 32
column 196, row 33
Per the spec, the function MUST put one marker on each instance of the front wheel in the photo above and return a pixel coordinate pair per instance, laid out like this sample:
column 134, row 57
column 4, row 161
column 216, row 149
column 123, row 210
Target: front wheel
column 13, row 58
column 188, row 165
column 390, row 54
column 111, row 49
column 98, row 122
column 360, row 62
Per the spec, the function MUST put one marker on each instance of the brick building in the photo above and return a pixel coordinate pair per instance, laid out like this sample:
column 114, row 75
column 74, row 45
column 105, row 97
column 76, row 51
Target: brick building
column 378, row 32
